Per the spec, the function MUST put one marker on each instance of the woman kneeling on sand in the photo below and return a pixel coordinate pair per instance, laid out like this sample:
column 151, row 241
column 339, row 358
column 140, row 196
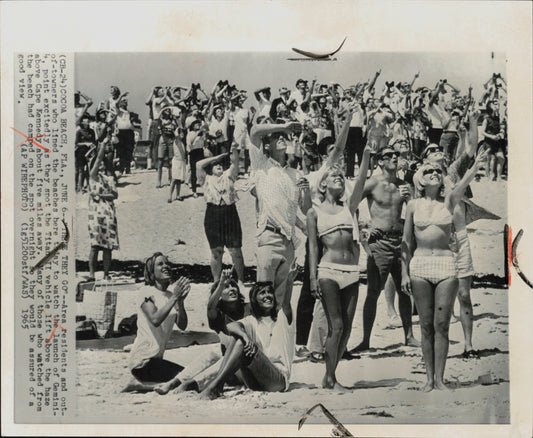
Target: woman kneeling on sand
column 226, row 304
column 158, row 311
column 262, row 347
column 428, row 263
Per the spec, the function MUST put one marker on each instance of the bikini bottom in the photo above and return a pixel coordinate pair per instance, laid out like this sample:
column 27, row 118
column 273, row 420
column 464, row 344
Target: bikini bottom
column 433, row 268
column 343, row 275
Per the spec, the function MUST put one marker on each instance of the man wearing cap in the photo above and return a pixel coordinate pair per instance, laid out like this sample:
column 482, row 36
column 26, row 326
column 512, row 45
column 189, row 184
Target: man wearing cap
column 280, row 191
column 385, row 194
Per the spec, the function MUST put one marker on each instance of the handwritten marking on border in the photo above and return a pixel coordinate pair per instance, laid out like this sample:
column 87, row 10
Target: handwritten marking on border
column 31, row 140
column 338, row 430
column 514, row 258
column 56, row 325
column 53, row 252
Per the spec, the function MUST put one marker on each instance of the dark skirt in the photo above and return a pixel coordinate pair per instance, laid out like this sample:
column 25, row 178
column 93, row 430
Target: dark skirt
column 223, row 226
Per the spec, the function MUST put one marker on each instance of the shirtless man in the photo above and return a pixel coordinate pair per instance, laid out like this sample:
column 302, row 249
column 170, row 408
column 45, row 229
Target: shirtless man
column 385, row 194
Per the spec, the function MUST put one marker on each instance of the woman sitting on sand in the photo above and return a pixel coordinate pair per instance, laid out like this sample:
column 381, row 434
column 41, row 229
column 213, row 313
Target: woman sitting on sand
column 222, row 223
column 335, row 280
column 428, row 264
column 225, row 305
column 262, row 347
column 158, row 311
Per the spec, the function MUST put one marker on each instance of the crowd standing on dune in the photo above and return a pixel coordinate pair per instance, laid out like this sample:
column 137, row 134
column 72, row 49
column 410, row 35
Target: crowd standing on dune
column 309, row 157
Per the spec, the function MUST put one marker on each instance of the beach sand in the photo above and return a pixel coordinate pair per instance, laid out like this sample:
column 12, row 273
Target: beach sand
column 385, row 379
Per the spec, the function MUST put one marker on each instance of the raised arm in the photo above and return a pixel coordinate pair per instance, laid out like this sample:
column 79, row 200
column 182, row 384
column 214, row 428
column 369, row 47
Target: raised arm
column 214, row 299
column 357, row 193
column 435, row 94
column 373, row 81
column 340, row 142
column 149, row 98
column 157, row 316
column 414, row 79
column 259, row 131
column 99, row 157
column 234, row 160
column 458, row 191
column 122, row 96
column 207, row 161
column 471, row 143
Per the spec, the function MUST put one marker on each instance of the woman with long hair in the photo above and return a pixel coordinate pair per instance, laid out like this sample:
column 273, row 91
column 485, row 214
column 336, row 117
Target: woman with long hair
column 226, row 305
column 429, row 270
column 262, row 347
column 335, row 279
column 158, row 309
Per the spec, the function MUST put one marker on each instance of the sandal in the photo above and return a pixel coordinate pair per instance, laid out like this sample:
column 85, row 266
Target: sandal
column 471, row 354
column 316, row 357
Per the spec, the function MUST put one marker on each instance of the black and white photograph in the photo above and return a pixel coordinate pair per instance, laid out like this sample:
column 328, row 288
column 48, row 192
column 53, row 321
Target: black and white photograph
column 291, row 233
column 315, row 235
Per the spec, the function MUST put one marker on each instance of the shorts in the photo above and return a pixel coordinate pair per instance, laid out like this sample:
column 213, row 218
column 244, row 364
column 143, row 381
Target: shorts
column 433, row 268
column 165, row 151
column 463, row 259
column 156, row 370
column 223, row 226
column 343, row 275
column 385, row 259
column 80, row 154
column 495, row 147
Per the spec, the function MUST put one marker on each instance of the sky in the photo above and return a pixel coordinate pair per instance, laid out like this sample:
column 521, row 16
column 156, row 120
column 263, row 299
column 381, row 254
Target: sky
column 138, row 73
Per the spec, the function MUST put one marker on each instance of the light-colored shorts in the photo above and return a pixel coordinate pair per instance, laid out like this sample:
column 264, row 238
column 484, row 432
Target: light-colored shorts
column 343, row 275
column 433, row 268
column 465, row 266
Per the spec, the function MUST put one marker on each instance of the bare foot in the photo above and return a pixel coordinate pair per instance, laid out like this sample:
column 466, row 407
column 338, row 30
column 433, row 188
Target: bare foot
column 412, row 342
column 135, row 386
column 210, row 394
column 441, row 386
column 188, row 385
column 427, row 387
column 164, row 388
column 330, row 383
column 363, row 346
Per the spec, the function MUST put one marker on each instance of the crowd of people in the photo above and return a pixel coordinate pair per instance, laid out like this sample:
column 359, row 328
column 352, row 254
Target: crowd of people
column 310, row 155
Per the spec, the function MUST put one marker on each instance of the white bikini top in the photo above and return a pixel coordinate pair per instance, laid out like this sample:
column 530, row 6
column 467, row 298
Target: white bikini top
column 328, row 223
column 431, row 213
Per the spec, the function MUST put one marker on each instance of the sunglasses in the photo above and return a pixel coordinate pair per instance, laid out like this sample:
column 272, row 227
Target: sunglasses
column 389, row 155
column 430, row 171
column 434, row 149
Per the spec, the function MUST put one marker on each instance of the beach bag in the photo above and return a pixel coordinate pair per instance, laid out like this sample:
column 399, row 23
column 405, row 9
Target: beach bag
column 128, row 326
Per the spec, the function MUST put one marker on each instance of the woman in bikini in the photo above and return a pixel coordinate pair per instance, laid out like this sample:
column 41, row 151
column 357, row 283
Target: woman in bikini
column 335, row 280
column 428, row 263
